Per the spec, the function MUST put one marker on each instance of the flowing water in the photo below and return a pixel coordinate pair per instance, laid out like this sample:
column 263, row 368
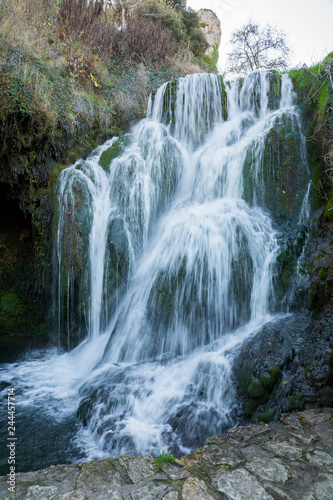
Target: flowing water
column 165, row 256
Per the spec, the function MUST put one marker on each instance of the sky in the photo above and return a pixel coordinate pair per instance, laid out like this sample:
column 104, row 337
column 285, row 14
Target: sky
column 307, row 24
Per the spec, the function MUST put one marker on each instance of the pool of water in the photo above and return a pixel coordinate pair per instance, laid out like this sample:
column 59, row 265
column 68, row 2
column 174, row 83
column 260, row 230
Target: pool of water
column 41, row 440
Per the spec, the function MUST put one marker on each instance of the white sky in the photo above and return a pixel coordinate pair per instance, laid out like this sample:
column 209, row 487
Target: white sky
column 308, row 24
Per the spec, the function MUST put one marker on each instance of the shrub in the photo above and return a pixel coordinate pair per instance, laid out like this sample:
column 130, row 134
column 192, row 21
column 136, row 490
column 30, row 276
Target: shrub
column 163, row 458
column 144, row 40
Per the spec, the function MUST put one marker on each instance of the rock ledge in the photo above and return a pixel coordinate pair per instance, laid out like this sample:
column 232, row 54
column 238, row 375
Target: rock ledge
column 287, row 460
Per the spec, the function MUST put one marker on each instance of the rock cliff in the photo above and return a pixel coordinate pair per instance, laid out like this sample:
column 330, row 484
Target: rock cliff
column 211, row 26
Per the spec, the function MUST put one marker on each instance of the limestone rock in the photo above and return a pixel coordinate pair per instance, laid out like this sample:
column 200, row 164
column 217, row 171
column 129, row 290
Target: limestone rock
column 239, row 485
column 319, row 458
column 287, row 460
column 269, row 470
column 194, row 489
column 284, row 449
column 211, row 26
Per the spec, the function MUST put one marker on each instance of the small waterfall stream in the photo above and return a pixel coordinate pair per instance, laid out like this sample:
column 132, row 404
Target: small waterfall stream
column 166, row 249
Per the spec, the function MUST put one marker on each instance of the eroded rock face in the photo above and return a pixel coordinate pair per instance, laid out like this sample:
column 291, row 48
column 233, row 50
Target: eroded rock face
column 290, row 460
column 211, row 26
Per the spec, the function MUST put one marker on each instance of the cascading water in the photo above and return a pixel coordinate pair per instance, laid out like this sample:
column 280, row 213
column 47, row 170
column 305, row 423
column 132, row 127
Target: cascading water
column 167, row 242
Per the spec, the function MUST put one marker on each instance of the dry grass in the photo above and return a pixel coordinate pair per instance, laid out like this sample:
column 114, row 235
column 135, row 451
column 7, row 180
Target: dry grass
column 183, row 62
column 28, row 24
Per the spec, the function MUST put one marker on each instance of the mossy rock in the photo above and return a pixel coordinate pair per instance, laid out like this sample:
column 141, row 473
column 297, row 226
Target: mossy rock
column 85, row 410
column 244, row 377
column 327, row 396
column 256, row 390
column 266, row 417
column 259, row 392
column 113, row 151
column 330, row 368
column 321, row 291
column 275, row 172
column 274, row 95
column 250, row 408
column 296, row 402
column 271, row 378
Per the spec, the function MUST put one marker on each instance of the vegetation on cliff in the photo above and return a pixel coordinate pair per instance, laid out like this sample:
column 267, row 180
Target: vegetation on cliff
column 71, row 76
column 314, row 88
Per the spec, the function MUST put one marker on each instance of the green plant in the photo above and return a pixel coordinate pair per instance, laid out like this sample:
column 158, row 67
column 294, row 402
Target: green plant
column 226, row 466
column 266, row 417
column 163, row 458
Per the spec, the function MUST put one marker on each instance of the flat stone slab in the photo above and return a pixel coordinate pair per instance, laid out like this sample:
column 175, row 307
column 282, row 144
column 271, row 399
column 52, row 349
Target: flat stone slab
column 287, row 460
column 239, row 485
column 320, row 458
column 285, row 449
column 194, row 489
column 268, row 470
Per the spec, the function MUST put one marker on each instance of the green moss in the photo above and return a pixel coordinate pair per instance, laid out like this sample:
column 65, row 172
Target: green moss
column 250, row 408
column 327, row 396
column 322, row 274
column 210, row 61
column 275, row 89
column 312, row 87
column 224, row 99
column 244, row 377
column 259, row 392
column 296, row 402
column 256, row 390
column 330, row 368
column 320, row 293
column 113, row 151
column 266, row 417
column 329, row 209
column 11, row 311
column 275, row 375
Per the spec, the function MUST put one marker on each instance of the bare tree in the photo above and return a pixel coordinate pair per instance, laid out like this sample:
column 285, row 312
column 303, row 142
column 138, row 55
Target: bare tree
column 256, row 47
column 121, row 9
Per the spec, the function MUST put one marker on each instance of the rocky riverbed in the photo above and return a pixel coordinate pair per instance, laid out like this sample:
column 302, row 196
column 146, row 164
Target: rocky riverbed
column 287, row 460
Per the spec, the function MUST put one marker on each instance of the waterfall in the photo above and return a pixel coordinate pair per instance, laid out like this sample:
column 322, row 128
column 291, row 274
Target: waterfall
column 190, row 187
column 169, row 244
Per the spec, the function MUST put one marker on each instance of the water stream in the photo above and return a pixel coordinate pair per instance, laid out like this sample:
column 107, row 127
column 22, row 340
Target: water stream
column 165, row 257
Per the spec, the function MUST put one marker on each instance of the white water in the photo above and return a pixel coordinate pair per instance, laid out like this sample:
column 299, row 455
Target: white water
column 199, row 279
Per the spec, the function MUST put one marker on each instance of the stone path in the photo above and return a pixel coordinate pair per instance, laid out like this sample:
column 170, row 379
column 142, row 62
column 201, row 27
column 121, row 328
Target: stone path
column 287, row 460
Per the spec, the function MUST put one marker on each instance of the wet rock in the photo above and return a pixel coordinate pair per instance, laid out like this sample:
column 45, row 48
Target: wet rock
column 305, row 374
